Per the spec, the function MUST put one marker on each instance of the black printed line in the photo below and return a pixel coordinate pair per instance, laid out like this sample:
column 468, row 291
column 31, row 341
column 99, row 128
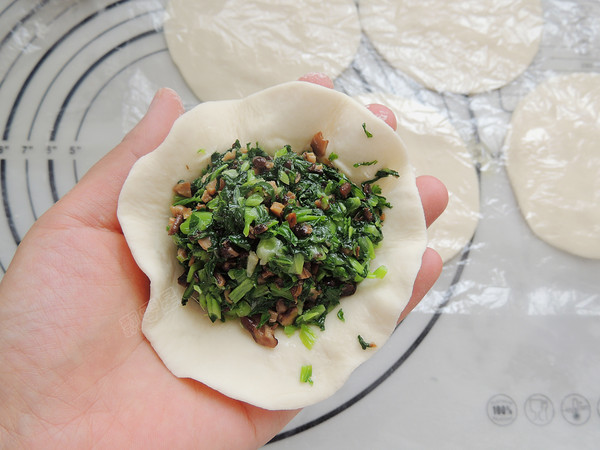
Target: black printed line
column 52, row 178
column 35, row 217
column 107, row 82
column 81, row 79
column 75, row 171
column 87, row 44
column 14, row 62
column 3, row 11
column 20, row 23
column 7, row 211
column 45, row 56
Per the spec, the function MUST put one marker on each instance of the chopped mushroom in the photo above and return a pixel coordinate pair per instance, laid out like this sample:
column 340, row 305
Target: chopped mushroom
column 211, row 187
column 229, row 155
column 174, row 224
column 345, row 189
column 286, row 315
column 206, row 197
column 296, row 290
column 310, row 157
column 184, row 189
column 204, row 243
column 180, row 209
column 319, row 145
column 220, row 279
column 316, row 168
column 261, row 164
column 264, row 335
column 277, row 208
column 291, row 219
column 227, row 251
column 306, row 273
column 302, row 230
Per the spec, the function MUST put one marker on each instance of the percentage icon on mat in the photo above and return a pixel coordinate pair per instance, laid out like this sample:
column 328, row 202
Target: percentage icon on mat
column 502, row 410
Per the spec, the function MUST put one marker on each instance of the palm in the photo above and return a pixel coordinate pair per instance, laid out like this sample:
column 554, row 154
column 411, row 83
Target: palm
column 91, row 355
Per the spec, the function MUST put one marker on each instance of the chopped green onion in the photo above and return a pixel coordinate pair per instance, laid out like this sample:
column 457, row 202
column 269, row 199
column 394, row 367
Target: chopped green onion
column 281, row 152
column 289, row 330
column 365, row 163
column 243, row 288
column 267, row 249
column 340, row 315
column 311, row 314
column 298, row 263
column 306, row 374
column 368, row 133
column 378, row 273
column 307, row 336
column 214, row 308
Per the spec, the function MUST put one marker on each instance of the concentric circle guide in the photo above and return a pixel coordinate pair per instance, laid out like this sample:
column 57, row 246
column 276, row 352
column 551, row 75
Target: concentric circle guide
column 75, row 75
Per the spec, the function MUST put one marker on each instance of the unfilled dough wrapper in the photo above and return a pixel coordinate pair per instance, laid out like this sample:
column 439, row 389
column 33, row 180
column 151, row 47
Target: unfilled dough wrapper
column 232, row 48
column 553, row 162
column 461, row 46
column 223, row 355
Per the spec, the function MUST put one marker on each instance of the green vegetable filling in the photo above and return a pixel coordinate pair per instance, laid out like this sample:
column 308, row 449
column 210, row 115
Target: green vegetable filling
column 364, row 344
column 275, row 241
column 306, row 374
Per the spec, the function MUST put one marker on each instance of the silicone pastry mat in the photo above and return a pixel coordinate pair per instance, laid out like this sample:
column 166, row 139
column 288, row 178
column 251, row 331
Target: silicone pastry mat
column 501, row 354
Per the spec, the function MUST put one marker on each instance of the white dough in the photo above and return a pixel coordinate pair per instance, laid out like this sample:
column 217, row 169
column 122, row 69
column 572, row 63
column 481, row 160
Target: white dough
column 223, row 355
column 553, row 162
column 231, row 48
column 461, row 46
column 435, row 148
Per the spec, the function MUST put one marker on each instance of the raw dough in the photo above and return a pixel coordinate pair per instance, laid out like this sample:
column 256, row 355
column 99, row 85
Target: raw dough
column 553, row 162
column 435, row 148
column 223, row 355
column 464, row 46
column 230, row 49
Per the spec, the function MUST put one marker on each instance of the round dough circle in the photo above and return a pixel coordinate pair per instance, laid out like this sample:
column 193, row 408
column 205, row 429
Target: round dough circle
column 230, row 49
column 435, row 148
column 223, row 355
column 464, row 46
column 553, row 162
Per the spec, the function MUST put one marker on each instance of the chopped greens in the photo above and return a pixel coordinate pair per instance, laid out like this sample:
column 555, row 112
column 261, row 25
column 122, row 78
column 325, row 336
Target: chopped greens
column 340, row 315
column 275, row 241
column 366, row 163
column 364, row 344
column 306, row 374
column 367, row 132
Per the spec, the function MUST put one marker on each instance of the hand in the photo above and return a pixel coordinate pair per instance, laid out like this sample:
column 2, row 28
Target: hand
column 70, row 375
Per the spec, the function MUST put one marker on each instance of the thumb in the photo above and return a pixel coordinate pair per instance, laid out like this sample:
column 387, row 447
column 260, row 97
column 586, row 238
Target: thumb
column 93, row 201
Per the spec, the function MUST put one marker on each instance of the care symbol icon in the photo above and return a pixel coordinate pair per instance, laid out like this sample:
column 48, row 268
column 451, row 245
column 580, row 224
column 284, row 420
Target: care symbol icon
column 539, row 409
column 575, row 409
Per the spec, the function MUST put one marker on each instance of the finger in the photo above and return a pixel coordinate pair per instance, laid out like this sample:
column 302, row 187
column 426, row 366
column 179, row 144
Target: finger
column 431, row 268
column 385, row 114
column 317, row 78
column 434, row 197
column 94, row 199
